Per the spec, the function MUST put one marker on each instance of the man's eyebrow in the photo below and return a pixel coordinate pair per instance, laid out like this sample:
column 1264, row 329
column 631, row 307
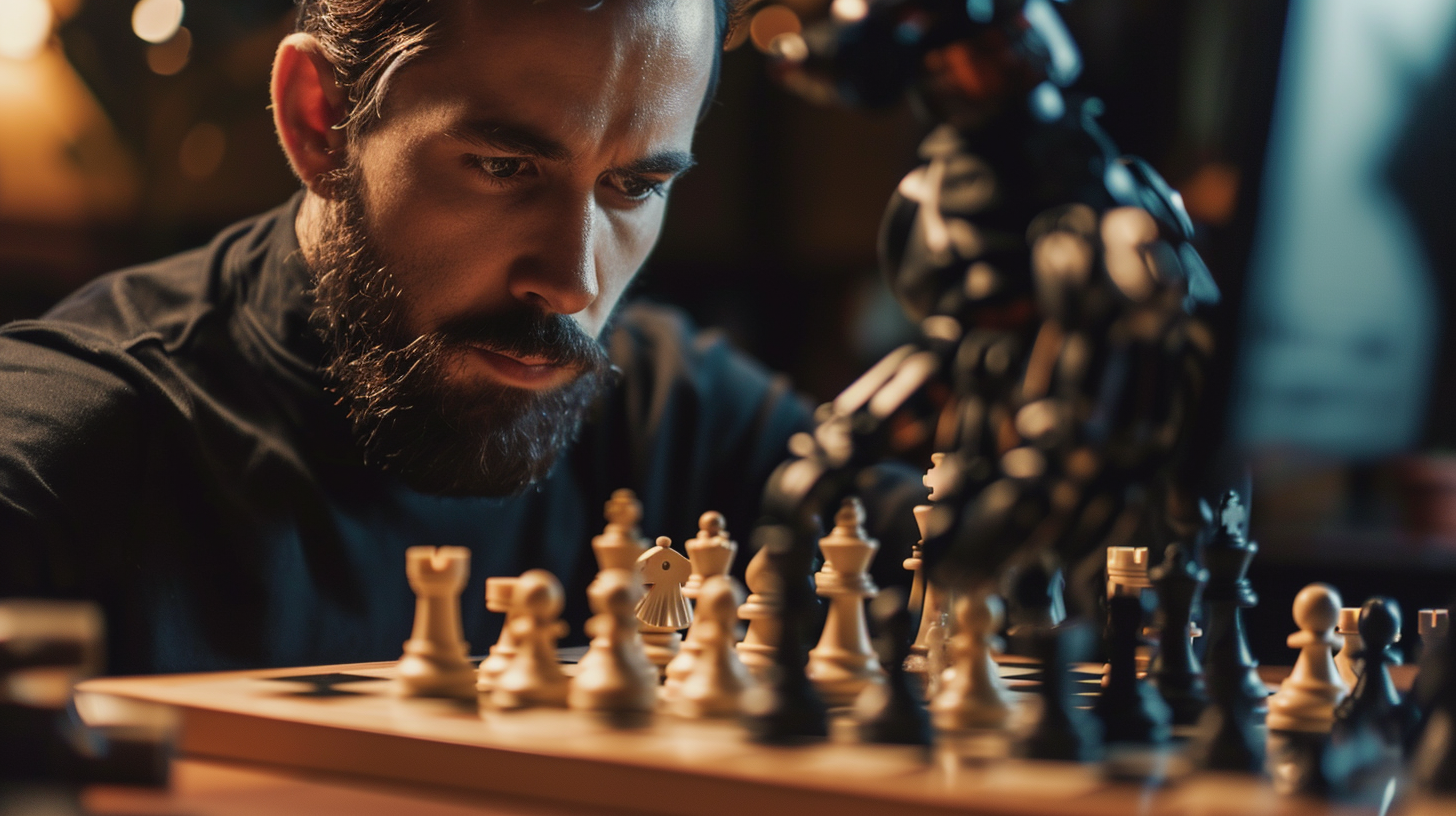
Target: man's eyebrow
column 666, row 163
column 517, row 139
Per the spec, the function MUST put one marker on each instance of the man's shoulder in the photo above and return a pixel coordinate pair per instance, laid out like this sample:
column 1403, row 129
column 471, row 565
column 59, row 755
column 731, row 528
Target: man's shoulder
column 162, row 301
column 673, row 372
column 658, row 344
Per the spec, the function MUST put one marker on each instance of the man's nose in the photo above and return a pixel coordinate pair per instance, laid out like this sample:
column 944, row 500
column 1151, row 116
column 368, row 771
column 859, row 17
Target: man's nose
column 561, row 275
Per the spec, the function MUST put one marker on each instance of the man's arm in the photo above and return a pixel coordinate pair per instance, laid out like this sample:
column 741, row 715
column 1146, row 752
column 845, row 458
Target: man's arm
column 71, row 449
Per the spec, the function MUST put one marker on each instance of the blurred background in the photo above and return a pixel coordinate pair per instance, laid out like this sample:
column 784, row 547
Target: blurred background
column 1308, row 138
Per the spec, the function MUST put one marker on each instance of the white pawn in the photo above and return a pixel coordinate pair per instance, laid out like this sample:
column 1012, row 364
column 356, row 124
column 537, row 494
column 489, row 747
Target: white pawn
column 498, row 592
column 434, row 663
column 663, row 611
column 844, row 663
column 711, row 553
column 718, row 679
column 971, row 695
column 620, row 543
column 533, row 677
column 614, row 675
column 1349, row 629
column 1306, row 699
column 760, row 643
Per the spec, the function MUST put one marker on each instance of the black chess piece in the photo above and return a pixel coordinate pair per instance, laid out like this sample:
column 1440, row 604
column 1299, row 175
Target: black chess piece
column 1064, row 731
column 1297, row 761
column 890, row 712
column 46, row 741
column 1130, row 708
column 1036, row 603
column 1176, row 671
column 792, row 711
column 1233, row 724
column 1367, row 741
column 1433, row 762
column 1374, row 704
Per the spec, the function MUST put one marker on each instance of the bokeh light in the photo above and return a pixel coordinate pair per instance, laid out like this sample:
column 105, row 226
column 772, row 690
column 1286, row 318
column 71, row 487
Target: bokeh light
column 171, row 56
column 770, row 23
column 156, row 21
column 25, row 25
column 850, row 11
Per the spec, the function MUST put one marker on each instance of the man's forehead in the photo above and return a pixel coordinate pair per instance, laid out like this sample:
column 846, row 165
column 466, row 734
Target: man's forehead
column 616, row 65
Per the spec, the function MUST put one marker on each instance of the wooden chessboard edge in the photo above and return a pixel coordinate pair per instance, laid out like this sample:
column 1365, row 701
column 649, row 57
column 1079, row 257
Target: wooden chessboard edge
column 405, row 759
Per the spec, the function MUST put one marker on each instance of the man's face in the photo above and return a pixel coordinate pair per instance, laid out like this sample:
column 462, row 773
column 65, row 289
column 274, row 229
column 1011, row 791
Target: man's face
column 489, row 224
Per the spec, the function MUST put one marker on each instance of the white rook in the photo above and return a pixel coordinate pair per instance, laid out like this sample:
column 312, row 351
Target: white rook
column 434, row 663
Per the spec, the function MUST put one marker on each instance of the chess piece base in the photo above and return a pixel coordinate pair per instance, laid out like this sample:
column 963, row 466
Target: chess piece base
column 425, row 671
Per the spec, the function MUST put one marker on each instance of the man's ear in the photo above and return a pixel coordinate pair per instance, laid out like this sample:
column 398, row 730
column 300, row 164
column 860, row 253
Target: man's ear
column 307, row 106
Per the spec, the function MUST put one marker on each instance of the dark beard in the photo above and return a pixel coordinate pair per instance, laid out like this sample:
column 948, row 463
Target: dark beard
column 408, row 417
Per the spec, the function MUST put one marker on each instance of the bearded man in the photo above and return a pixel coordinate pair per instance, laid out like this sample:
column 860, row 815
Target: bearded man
column 231, row 449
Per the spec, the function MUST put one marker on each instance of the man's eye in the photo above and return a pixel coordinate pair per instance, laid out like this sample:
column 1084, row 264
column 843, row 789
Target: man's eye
column 502, row 167
column 637, row 188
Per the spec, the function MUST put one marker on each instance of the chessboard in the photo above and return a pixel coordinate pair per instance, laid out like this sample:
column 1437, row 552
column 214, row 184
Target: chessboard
column 345, row 720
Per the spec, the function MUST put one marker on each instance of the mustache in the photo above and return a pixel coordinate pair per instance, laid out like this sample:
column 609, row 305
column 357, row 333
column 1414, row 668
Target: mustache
column 526, row 332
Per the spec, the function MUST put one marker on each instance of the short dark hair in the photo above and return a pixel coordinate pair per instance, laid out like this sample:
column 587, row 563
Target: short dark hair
column 369, row 40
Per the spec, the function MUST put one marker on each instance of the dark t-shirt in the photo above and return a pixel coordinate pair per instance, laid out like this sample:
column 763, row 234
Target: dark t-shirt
column 167, row 448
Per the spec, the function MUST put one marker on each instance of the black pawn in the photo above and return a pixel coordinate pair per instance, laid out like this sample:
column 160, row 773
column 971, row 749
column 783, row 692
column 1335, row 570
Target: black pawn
column 1035, row 604
column 1366, row 743
column 1064, row 731
column 1374, row 704
column 1176, row 671
column 1233, row 724
column 1130, row 708
column 890, row 712
column 792, row 711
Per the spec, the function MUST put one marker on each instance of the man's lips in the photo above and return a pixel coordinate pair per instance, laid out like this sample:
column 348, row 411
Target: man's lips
column 523, row 371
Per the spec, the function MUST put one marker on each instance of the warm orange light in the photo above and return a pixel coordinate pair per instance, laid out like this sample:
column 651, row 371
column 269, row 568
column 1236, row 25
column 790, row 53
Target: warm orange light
column 770, row 23
column 60, row 158
column 171, row 56
column 25, row 25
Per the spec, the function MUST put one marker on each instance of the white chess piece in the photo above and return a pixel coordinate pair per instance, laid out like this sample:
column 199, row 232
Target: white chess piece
column 533, row 677
column 1349, row 629
column 711, row 553
column 434, row 663
column 663, row 611
column 760, row 643
column 614, row 675
column 971, row 695
column 1127, row 571
column 1307, row 698
column 927, row 599
column 1127, row 574
column 844, row 663
column 498, row 592
column 718, row 680
column 620, row 543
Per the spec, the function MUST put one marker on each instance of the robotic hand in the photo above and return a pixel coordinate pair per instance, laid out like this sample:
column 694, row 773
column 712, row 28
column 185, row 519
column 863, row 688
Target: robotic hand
column 1059, row 365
